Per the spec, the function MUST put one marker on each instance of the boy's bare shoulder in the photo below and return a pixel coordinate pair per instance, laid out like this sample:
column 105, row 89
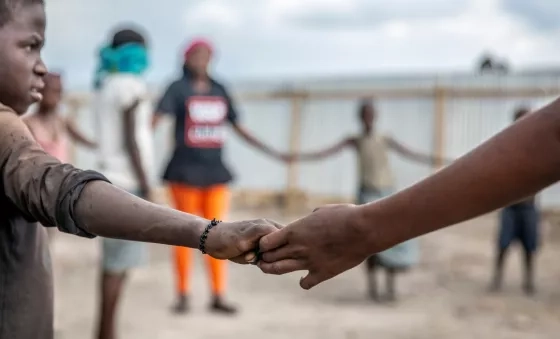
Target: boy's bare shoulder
column 11, row 124
column 7, row 115
column 29, row 118
column 6, row 109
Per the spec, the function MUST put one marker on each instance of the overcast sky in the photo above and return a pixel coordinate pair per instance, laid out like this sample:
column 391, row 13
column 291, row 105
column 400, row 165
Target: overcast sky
column 267, row 39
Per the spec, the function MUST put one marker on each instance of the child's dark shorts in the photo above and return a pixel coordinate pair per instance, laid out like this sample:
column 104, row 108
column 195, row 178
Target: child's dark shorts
column 519, row 222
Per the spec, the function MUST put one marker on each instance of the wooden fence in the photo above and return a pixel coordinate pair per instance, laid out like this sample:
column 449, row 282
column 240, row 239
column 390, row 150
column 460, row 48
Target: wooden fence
column 297, row 98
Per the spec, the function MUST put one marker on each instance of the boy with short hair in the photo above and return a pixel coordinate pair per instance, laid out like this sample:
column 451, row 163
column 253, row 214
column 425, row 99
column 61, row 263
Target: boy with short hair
column 35, row 186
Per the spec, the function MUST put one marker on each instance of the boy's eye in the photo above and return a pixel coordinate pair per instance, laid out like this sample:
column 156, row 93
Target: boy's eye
column 33, row 46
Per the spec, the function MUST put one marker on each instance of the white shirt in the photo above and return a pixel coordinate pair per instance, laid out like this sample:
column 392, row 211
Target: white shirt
column 120, row 91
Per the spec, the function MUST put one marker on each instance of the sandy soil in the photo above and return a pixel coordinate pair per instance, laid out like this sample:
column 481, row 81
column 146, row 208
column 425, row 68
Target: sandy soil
column 444, row 297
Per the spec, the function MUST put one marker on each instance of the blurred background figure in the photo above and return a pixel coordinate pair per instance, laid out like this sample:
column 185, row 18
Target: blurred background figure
column 123, row 111
column 53, row 131
column 196, row 173
column 518, row 222
column 376, row 181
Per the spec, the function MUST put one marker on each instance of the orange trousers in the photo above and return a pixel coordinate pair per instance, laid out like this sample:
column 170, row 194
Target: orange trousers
column 209, row 203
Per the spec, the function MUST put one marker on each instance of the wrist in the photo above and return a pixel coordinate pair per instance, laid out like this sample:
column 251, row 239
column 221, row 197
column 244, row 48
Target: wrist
column 361, row 224
column 203, row 240
column 199, row 227
column 378, row 229
column 181, row 229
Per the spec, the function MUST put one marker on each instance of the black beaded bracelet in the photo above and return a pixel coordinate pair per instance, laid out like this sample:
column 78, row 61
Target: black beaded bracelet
column 204, row 235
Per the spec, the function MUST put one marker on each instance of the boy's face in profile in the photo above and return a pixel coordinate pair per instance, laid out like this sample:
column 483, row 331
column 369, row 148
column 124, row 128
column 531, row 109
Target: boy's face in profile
column 21, row 67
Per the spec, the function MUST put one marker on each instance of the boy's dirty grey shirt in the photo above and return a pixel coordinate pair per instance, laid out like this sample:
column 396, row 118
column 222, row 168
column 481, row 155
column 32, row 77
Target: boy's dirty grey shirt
column 34, row 187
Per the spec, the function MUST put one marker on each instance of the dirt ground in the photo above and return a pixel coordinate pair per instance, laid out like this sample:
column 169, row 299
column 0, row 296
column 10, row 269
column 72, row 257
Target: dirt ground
column 444, row 297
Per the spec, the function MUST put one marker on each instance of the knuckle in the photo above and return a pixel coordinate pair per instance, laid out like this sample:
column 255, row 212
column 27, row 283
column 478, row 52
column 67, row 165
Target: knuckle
column 299, row 252
column 243, row 246
column 264, row 242
column 290, row 232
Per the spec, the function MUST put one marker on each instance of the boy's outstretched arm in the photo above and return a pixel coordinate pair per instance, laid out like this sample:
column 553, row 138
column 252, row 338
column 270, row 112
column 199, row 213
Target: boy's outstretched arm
column 84, row 203
column 516, row 163
column 414, row 155
column 244, row 133
column 327, row 152
column 249, row 138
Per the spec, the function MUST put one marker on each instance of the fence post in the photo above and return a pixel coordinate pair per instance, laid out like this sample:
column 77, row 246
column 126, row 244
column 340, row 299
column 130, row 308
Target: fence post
column 294, row 147
column 439, row 125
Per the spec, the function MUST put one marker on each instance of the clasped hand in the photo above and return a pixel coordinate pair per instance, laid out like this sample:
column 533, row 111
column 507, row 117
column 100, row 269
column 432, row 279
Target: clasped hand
column 325, row 243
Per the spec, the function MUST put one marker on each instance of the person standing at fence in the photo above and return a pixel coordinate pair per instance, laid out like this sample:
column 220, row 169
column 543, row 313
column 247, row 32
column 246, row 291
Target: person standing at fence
column 196, row 173
column 376, row 182
column 52, row 131
column 519, row 221
column 123, row 111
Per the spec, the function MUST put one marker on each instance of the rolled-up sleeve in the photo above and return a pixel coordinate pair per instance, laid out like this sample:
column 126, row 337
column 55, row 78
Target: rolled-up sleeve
column 39, row 186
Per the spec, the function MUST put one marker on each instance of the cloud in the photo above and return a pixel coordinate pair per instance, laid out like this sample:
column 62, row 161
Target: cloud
column 539, row 14
column 269, row 39
column 371, row 13
column 222, row 14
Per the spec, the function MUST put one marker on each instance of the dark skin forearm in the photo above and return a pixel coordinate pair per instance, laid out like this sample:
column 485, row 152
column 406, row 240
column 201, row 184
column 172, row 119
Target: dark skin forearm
column 43, row 189
column 107, row 211
column 511, row 166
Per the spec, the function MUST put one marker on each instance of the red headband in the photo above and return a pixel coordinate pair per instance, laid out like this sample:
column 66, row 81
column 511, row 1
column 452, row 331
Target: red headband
column 195, row 44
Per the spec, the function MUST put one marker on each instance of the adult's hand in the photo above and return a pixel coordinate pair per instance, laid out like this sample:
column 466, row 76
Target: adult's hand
column 238, row 241
column 327, row 242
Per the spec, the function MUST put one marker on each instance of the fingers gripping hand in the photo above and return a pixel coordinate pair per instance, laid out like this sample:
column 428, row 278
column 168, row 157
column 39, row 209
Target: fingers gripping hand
column 239, row 240
column 324, row 243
